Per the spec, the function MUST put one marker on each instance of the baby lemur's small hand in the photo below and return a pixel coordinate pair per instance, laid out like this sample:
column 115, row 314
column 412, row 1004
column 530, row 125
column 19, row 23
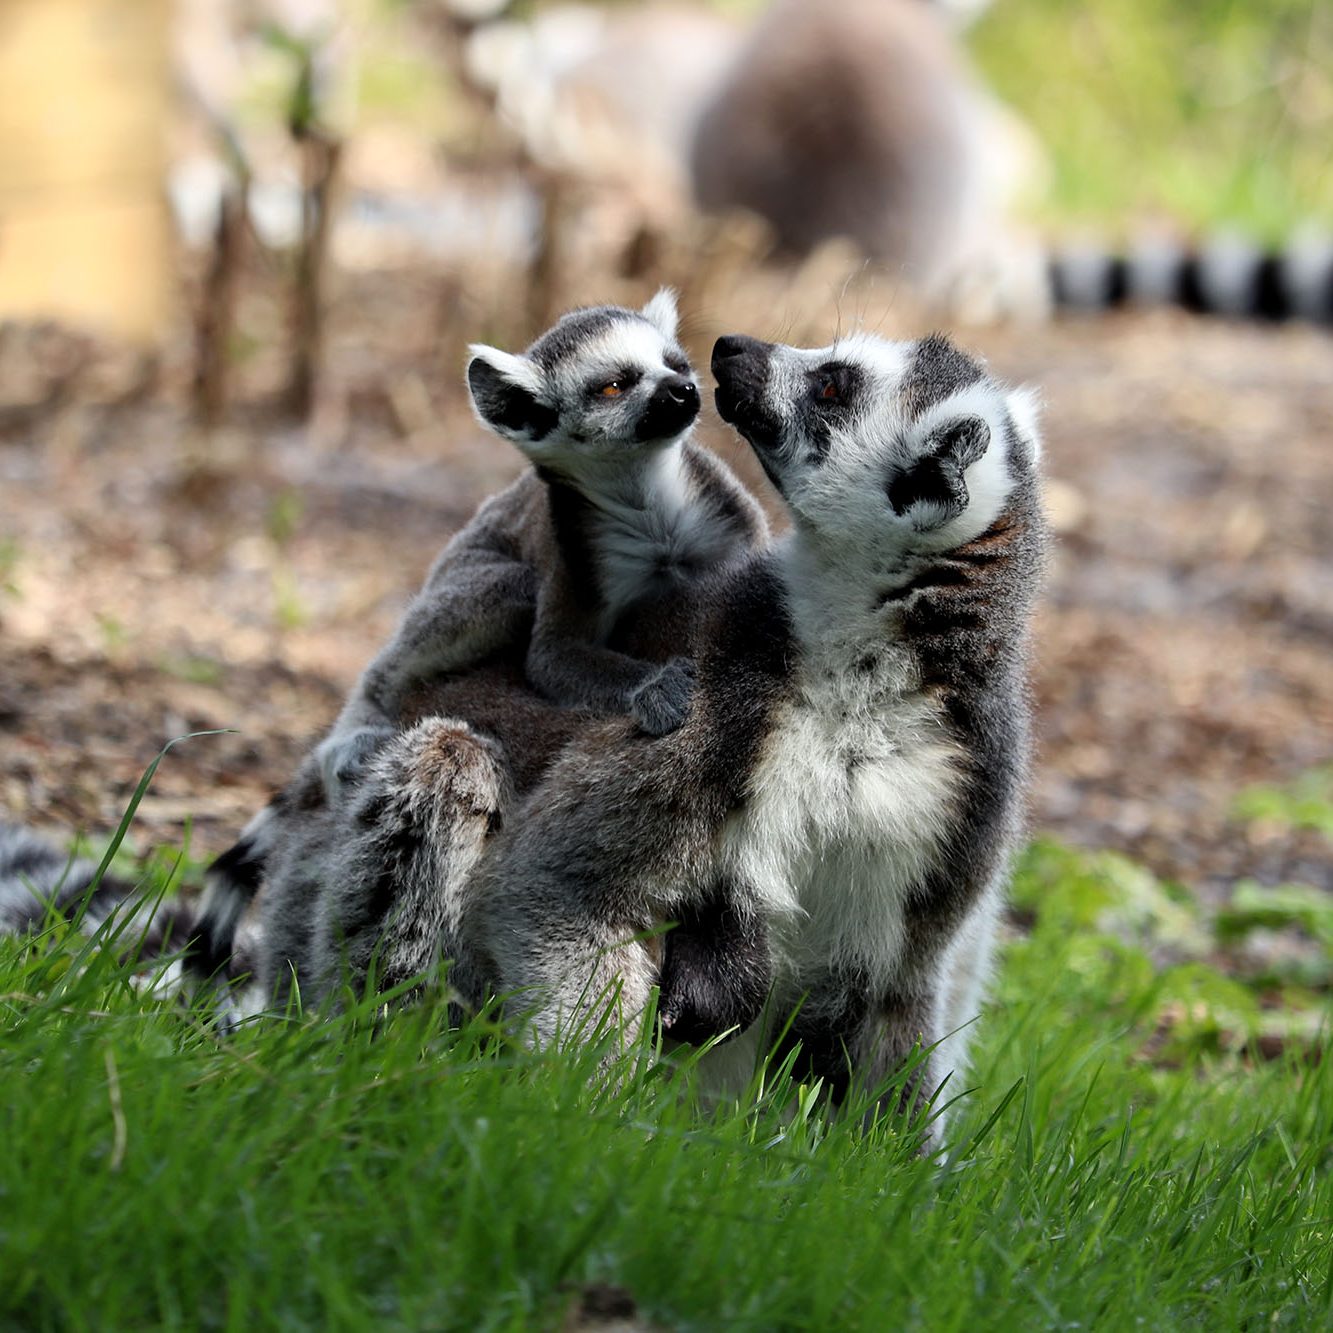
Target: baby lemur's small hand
column 662, row 702
column 343, row 758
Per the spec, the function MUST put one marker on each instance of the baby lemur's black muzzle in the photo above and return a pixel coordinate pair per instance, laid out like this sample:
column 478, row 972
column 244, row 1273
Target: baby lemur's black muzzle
column 671, row 409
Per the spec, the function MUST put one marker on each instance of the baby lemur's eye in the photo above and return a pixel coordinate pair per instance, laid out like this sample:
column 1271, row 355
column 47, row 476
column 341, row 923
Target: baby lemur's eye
column 615, row 385
column 827, row 392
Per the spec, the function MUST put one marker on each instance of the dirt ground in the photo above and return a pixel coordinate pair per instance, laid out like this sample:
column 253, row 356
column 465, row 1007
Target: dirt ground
column 156, row 579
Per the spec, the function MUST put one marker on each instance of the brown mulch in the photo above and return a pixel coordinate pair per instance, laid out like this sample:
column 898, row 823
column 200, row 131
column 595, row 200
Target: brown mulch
column 165, row 580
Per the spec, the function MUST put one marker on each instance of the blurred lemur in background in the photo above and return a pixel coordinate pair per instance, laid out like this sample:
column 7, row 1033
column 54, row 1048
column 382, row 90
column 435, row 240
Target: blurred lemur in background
column 861, row 119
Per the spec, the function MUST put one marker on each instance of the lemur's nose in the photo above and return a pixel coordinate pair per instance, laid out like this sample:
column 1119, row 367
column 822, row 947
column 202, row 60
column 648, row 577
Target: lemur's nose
column 732, row 346
column 679, row 389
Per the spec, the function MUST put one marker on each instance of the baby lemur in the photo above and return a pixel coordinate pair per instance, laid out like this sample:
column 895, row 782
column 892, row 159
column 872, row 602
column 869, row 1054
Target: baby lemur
column 573, row 584
column 853, row 764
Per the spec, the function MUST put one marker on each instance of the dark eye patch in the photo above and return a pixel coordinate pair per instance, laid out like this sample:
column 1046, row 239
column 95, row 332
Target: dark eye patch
column 831, row 391
column 674, row 361
column 626, row 378
column 834, row 382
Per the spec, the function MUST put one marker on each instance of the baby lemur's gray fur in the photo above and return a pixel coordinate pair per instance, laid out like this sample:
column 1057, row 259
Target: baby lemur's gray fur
column 572, row 583
column 854, row 760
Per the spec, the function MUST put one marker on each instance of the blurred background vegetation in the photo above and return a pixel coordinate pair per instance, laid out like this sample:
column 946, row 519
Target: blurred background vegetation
column 1201, row 114
column 1206, row 113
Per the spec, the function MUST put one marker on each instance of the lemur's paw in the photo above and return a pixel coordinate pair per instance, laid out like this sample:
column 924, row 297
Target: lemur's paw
column 934, row 488
column 699, row 1008
column 343, row 759
column 662, row 702
column 714, row 980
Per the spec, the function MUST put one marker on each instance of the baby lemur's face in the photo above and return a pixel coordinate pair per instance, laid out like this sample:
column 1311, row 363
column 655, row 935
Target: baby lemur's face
column 604, row 385
column 879, row 442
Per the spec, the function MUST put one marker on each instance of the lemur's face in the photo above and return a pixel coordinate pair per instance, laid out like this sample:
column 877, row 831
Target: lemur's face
column 603, row 385
column 874, row 440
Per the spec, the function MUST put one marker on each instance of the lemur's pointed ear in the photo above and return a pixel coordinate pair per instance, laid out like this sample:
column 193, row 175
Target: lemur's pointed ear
column 933, row 488
column 661, row 312
column 506, row 392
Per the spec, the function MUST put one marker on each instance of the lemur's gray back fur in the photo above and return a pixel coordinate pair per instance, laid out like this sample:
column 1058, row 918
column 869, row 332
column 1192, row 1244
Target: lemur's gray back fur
column 596, row 549
column 853, row 764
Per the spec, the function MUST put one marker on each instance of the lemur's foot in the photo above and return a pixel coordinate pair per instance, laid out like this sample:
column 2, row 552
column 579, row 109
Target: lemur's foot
column 715, row 976
column 662, row 702
column 343, row 759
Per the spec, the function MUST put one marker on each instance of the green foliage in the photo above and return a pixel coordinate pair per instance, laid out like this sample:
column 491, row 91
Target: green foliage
column 1305, row 803
column 283, row 519
column 1202, row 114
column 282, row 522
column 114, row 634
column 194, row 667
column 1256, row 906
column 289, row 608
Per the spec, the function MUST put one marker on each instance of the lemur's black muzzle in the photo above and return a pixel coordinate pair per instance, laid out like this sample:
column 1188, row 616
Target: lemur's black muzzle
column 672, row 407
column 740, row 366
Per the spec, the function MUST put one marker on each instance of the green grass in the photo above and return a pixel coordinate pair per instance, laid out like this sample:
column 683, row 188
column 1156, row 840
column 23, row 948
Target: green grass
column 1123, row 1162
column 1201, row 114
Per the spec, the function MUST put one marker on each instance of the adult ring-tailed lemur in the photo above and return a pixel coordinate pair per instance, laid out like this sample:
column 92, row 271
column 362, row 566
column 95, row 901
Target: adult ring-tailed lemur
column 852, row 769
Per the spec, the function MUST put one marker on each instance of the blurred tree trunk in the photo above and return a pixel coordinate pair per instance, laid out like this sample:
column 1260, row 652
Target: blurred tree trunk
column 84, row 230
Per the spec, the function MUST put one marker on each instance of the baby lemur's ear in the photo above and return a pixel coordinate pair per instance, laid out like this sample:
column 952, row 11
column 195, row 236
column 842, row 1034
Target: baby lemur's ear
column 507, row 394
column 661, row 312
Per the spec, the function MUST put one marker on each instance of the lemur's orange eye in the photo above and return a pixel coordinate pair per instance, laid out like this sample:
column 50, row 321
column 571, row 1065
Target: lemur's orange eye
column 828, row 389
column 611, row 389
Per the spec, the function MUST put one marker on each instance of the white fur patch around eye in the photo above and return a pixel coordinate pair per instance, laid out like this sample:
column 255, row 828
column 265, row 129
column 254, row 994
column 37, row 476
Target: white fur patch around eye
column 886, row 361
column 662, row 312
column 518, row 370
column 628, row 344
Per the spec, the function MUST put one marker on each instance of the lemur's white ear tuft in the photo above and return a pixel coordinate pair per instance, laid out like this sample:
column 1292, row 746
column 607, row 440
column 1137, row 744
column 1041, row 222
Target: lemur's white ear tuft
column 661, row 312
column 506, row 392
column 1025, row 409
column 518, row 370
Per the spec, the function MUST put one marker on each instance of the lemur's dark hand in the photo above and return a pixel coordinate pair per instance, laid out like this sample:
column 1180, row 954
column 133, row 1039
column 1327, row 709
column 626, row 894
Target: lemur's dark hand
column 662, row 702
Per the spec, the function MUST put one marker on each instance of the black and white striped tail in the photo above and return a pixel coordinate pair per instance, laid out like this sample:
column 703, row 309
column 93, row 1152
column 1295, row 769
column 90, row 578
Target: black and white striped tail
column 230, row 886
column 1226, row 276
column 37, row 879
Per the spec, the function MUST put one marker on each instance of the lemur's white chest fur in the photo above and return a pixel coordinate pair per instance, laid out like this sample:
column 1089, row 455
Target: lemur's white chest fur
column 852, row 792
column 651, row 529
